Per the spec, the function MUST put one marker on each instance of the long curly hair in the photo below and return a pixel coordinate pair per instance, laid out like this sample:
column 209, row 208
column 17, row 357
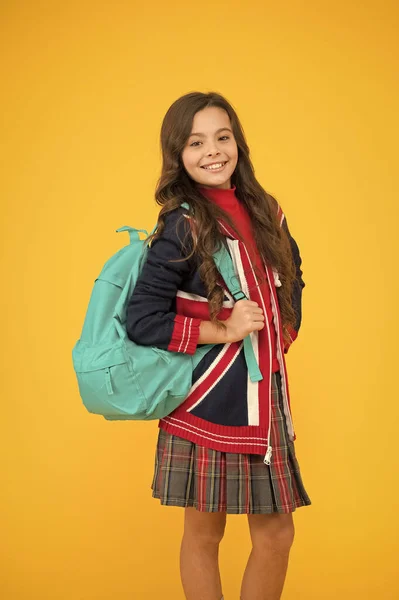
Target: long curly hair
column 175, row 186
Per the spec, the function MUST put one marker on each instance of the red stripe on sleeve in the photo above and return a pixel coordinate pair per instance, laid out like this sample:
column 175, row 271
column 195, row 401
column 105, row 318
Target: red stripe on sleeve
column 185, row 335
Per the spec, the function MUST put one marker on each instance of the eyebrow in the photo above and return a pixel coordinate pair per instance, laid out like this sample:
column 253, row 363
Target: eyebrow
column 218, row 131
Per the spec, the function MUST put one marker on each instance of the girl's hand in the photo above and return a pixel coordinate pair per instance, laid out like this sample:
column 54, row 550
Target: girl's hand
column 245, row 318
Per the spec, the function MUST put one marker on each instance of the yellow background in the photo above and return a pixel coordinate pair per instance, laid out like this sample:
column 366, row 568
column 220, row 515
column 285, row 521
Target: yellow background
column 85, row 87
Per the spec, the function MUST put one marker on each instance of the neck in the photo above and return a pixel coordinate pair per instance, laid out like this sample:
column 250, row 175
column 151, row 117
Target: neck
column 225, row 198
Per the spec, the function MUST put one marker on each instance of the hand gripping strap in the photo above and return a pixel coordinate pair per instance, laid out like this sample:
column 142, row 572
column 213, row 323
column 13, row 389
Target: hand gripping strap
column 225, row 267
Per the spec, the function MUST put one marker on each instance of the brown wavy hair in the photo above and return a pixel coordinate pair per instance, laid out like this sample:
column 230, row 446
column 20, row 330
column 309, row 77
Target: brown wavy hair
column 175, row 186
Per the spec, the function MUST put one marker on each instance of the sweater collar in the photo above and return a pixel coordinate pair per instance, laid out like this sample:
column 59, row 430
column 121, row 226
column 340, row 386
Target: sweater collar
column 222, row 197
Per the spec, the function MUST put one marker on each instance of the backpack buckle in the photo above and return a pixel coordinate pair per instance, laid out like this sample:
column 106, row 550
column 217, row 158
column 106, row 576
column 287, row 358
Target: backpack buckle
column 239, row 296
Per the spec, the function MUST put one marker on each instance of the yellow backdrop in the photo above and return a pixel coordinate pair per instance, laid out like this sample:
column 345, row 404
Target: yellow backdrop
column 85, row 87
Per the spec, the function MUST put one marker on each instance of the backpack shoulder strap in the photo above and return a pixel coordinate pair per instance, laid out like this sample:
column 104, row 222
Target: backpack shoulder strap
column 225, row 267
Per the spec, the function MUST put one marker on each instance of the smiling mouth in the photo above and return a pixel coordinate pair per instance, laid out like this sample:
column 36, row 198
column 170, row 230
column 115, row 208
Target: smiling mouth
column 215, row 167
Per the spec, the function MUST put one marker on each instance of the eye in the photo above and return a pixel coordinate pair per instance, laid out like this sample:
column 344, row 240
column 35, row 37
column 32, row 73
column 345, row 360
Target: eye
column 223, row 137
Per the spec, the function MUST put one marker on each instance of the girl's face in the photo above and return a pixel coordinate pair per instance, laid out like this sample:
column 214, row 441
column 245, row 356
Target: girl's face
column 211, row 143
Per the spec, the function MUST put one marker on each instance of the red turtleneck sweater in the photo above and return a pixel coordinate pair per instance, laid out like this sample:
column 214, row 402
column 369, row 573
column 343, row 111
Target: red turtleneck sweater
column 227, row 200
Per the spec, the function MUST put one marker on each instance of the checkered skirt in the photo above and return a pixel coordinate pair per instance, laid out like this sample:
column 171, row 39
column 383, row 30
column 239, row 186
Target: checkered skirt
column 187, row 474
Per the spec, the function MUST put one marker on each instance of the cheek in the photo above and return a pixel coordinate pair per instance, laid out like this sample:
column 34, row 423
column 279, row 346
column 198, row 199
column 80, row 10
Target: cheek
column 190, row 161
column 233, row 151
column 234, row 156
column 186, row 160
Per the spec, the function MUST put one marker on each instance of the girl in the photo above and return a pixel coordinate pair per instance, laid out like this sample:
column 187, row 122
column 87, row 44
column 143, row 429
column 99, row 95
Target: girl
column 229, row 448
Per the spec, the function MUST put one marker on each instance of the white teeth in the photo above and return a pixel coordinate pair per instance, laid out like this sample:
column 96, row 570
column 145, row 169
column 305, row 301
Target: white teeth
column 215, row 166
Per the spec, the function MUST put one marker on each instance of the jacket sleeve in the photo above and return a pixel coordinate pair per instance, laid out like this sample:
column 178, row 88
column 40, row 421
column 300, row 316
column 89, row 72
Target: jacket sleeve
column 150, row 319
column 298, row 286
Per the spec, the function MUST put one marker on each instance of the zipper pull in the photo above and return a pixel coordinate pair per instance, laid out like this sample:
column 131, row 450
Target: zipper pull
column 268, row 455
column 277, row 281
column 108, row 382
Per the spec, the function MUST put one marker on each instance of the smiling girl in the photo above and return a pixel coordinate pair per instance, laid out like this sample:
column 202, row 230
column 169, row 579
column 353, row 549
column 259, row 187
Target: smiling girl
column 229, row 448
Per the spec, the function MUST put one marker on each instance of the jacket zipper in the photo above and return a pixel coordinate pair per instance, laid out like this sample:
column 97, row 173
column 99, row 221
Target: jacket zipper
column 268, row 456
column 279, row 356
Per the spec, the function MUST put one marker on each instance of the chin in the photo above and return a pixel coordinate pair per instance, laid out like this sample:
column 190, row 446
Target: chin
column 215, row 180
column 214, row 184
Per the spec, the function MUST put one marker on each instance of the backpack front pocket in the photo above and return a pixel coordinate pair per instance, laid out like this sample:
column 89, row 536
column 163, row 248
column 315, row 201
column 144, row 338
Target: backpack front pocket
column 107, row 381
column 112, row 392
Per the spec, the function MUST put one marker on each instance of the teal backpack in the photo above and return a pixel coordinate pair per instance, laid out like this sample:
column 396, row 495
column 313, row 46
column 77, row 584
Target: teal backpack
column 122, row 380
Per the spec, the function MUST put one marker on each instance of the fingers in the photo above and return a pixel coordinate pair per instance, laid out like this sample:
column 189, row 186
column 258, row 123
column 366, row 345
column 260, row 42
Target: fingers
column 249, row 307
column 248, row 316
column 247, row 302
column 257, row 318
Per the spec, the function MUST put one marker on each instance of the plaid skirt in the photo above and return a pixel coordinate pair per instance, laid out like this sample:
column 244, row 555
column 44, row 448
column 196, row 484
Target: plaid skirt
column 187, row 474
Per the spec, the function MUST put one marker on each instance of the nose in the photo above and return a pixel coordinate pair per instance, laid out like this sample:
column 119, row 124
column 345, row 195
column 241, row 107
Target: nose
column 215, row 152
